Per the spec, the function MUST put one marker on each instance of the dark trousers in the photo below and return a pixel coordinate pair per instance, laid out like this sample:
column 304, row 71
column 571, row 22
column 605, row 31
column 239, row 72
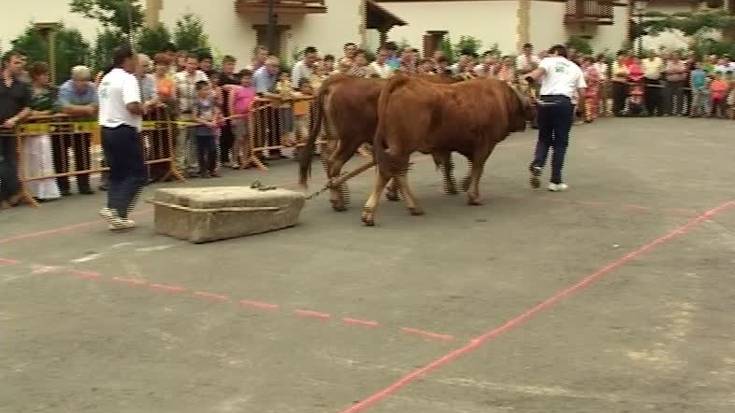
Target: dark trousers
column 619, row 94
column 226, row 140
column 674, row 98
column 653, row 97
column 207, row 151
column 9, row 183
column 124, row 153
column 555, row 116
column 80, row 145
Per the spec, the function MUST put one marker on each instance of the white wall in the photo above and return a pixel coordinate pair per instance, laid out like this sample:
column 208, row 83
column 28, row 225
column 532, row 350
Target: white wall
column 669, row 6
column 492, row 21
column 547, row 24
column 612, row 37
column 16, row 18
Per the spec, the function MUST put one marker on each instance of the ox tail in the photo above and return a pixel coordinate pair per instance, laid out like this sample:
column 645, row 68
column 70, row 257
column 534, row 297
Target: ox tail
column 316, row 126
column 389, row 165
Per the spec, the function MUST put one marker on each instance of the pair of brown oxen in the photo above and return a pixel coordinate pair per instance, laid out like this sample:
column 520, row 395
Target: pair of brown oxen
column 433, row 115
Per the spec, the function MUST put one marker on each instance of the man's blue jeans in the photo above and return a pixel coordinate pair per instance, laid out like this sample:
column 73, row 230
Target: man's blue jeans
column 124, row 154
column 555, row 117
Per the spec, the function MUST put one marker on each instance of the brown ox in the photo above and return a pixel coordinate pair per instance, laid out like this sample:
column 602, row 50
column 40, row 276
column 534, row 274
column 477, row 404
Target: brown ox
column 470, row 117
column 347, row 107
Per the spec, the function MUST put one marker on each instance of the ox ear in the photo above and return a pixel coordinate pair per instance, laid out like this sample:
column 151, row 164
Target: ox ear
column 525, row 98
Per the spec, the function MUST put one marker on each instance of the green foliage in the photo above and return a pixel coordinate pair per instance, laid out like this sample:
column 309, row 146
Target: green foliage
column 468, row 45
column 107, row 41
column 689, row 23
column 117, row 14
column 446, row 47
column 153, row 40
column 703, row 47
column 189, row 35
column 581, row 44
column 71, row 49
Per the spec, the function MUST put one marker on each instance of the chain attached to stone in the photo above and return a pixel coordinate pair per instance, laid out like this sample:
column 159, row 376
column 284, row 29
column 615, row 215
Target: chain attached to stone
column 260, row 187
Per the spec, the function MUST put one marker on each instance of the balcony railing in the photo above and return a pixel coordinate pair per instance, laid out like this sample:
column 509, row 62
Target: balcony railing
column 589, row 11
column 281, row 6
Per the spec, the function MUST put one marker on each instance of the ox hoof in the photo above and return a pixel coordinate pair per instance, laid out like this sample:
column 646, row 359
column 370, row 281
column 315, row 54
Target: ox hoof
column 368, row 218
column 339, row 206
column 392, row 196
column 416, row 211
column 466, row 183
column 474, row 201
column 452, row 190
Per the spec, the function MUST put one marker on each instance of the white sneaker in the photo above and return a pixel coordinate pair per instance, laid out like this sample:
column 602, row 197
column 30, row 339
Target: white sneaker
column 119, row 224
column 558, row 187
column 108, row 215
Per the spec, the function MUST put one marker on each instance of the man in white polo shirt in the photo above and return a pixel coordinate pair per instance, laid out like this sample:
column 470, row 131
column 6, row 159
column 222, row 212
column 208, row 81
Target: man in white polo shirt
column 560, row 80
column 120, row 116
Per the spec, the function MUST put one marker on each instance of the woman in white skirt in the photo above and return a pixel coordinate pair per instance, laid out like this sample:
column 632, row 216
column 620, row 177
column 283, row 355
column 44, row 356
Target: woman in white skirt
column 38, row 160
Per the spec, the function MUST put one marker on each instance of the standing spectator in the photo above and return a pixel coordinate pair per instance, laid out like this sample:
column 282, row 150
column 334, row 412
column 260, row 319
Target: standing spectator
column 260, row 54
column 653, row 68
column 206, row 114
column 526, row 62
column 718, row 89
column 463, row 65
column 285, row 92
column 15, row 97
column 592, row 92
column 619, row 83
column 361, row 67
column 700, row 92
column 77, row 98
column 227, row 136
column 328, row 64
column 269, row 119
column 206, row 64
column 181, row 57
column 165, row 84
column 603, row 72
column 408, row 61
column 394, row 61
column 147, row 82
column 166, row 91
column 301, row 113
column 303, row 68
column 39, row 161
column 349, row 50
column 426, row 67
column 723, row 66
column 442, row 66
column 241, row 99
column 380, row 66
column 170, row 52
column 505, row 70
column 120, row 117
column 186, row 95
column 487, row 68
column 675, row 71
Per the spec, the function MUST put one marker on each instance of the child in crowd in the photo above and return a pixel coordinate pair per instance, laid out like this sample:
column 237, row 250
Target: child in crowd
column 506, row 70
column 731, row 96
column 718, row 89
column 206, row 114
column 592, row 92
column 284, row 89
column 301, row 108
column 700, row 91
column 241, row 102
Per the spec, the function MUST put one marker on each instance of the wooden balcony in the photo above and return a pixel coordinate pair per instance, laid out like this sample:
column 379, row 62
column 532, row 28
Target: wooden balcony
column 599, row 12
column 281, row 6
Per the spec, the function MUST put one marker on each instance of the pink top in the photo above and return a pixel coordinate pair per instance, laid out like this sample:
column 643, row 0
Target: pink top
column 243, row 99
column 718, row 89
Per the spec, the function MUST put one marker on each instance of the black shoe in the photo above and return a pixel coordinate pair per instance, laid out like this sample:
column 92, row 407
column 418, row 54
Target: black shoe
column 535, row 173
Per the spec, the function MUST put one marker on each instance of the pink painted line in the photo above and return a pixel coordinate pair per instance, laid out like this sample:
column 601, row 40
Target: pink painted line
column 167, row 288
column 63, row 229
column 427, row 334
column 211, row 296
column 86, row 275
column 258, row 304
column 8, row 261
column 129, row 281
column 520, row 319
column 312, row 314
column 365, row 323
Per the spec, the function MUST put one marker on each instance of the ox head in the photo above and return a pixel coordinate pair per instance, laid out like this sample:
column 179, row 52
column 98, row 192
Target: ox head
column 524, row 109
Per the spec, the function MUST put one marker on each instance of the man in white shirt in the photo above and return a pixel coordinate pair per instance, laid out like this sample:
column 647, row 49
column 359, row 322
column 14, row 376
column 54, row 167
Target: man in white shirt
column 186, row 80
column 560, row 79
column 120, row 116
column 303, row 68
column 653, row 69
column 380, row 66
column 526, row 61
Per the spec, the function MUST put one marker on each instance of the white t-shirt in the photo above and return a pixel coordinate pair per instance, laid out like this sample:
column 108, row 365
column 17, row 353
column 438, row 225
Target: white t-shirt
column 117, row 89
column 561, row 77
column 384, row 70
column 526, row 63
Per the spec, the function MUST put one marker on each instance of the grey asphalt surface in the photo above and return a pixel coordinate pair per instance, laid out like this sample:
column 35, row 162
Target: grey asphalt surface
column 92, row 321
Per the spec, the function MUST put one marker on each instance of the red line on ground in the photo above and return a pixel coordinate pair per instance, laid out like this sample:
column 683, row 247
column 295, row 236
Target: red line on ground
column 258, row 304
column 8, row 261
column 86, row 275
column 366, row 323
column 427, row 334
column 60, row 230
column 129, row 281
column 167, row 288
column 312, row 314
column 519, row 320
column 211, row 296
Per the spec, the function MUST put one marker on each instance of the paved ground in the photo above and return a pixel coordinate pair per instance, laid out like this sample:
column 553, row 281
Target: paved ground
column 616, row 296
